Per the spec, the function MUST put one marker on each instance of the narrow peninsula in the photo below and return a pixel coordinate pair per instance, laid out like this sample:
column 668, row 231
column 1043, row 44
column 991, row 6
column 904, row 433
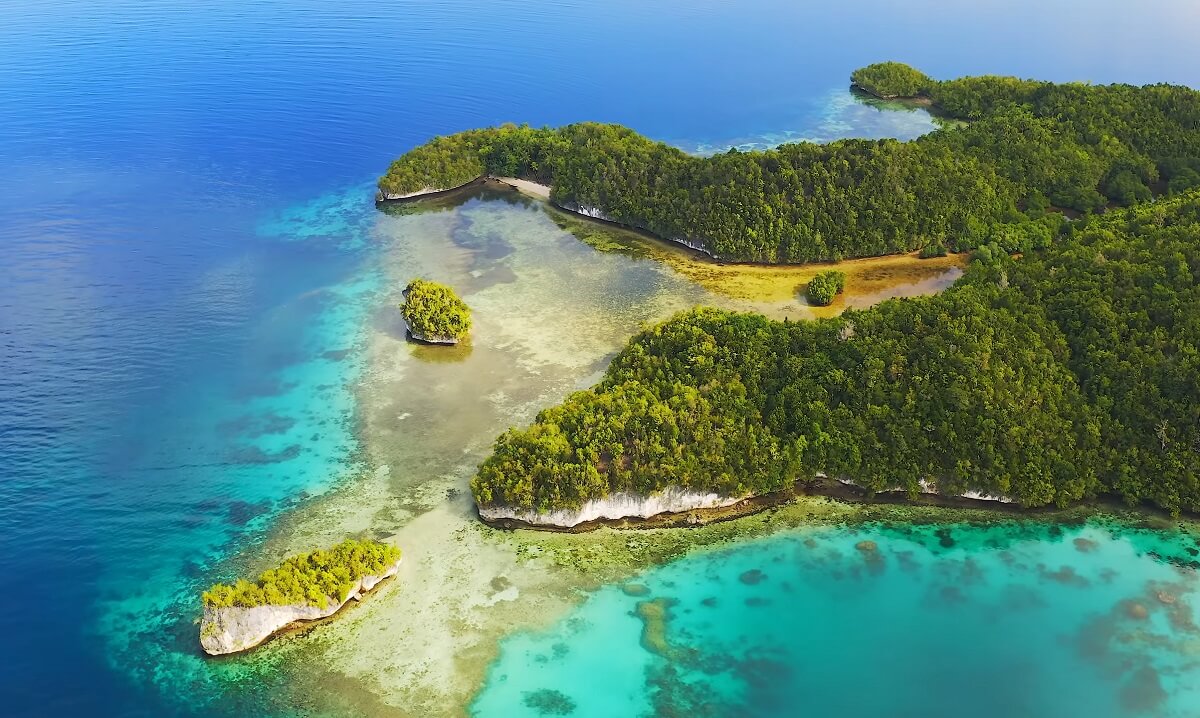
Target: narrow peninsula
column 303, row 588
column 434, row 313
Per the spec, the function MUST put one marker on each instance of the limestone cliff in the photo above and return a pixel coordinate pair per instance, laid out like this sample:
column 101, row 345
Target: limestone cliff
column 230, row 629
column 617, row 506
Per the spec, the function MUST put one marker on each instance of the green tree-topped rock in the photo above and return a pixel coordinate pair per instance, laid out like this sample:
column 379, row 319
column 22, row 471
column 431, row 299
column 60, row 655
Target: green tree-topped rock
column 434, row 313
column 313, row 579
column 825, row 286
column 892, row 80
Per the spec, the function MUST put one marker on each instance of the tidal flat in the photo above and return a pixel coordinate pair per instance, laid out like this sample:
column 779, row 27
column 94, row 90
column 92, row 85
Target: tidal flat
column 553, row 301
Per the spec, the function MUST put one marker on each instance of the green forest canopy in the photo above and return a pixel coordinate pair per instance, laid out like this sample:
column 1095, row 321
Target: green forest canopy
column 434, row 310
column 311, row 578
column 1071, row 372
column 1029, row 147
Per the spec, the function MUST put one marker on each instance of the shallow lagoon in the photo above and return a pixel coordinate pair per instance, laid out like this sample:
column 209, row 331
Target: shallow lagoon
column 1013, row 619
column 553, row 300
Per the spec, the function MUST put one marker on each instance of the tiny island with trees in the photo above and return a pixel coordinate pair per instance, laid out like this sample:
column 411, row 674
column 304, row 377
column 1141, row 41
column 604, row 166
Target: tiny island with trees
column 307, row 587
column 434, row 313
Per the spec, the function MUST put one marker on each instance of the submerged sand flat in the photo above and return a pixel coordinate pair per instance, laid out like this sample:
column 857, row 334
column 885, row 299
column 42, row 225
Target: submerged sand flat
column 549, row 311
column 776, row 290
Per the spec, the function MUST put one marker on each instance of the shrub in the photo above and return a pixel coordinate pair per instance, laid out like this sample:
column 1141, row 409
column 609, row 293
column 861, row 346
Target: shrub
column 825, row 286
column 933, row 249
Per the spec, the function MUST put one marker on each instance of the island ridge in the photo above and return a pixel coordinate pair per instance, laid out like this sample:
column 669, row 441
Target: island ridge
column 1024, row 147
column 1060, row 376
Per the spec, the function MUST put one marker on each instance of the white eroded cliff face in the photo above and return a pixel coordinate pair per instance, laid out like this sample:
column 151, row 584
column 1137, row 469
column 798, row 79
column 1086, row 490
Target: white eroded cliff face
column 229, row 629
column 617, row 506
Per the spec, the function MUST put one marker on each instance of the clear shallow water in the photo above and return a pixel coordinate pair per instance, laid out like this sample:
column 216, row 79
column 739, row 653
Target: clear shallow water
column 1007, row 620
column 190, row 271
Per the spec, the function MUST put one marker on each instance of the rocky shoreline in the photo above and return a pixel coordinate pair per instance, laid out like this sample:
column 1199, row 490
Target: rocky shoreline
column 542, row 192
column 923, row 100
column 420, row 338
column 233, row 629
column 382, row 197
column 679, row 515
column 617, row 507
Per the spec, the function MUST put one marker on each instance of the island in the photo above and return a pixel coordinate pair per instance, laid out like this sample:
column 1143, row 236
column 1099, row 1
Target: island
column 1025, row 157
column 823, row 288
column 434, row 314
column 303, row 588
column 892, row 81
column 1067, row 374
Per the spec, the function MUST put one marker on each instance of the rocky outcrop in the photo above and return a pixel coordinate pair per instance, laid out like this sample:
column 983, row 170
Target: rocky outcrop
column 230, row 629
column 617, row 506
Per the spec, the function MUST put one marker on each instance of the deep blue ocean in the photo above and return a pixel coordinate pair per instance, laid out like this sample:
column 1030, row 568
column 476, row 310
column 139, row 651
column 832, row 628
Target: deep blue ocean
column 174, row 361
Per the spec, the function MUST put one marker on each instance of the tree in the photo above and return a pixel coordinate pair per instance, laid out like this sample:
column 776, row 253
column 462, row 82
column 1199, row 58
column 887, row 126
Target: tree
column 825, row 286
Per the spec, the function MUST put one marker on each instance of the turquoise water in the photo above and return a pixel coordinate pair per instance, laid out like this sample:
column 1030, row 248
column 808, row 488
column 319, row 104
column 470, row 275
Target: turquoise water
column 191, row 265
column 1005, row 620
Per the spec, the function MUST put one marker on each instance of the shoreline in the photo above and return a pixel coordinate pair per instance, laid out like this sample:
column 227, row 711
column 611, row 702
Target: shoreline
column 751, row 505
column 542, row 192
column 845, row 493
column 382, row 197
column 918, row 100
column 418, row 338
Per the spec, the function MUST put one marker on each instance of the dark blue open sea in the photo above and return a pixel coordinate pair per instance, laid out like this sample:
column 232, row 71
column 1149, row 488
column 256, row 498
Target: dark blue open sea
column 176, row 363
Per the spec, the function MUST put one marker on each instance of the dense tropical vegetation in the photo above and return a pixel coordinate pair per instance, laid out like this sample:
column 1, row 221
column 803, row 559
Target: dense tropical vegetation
column 1029, row 149
column 892, row 79
column 312, row 578
column 434, row 311
column 1070, row 372
column 824, row 287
